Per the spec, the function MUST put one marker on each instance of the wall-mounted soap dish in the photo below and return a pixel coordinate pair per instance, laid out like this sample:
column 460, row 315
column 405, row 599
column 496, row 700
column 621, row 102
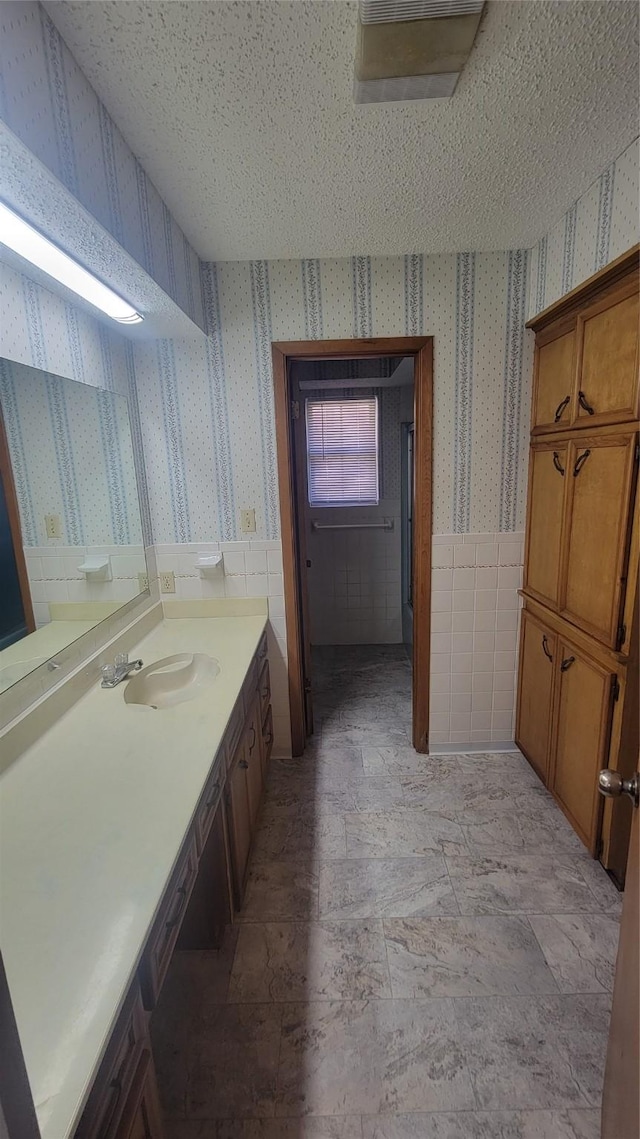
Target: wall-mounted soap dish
column 96, row 566
column 208, row 562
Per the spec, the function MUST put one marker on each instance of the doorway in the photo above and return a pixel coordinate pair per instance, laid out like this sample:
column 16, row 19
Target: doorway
column 291, row 434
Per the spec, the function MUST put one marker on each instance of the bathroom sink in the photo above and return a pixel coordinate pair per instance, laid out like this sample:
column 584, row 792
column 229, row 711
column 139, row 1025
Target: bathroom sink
column 172, row 680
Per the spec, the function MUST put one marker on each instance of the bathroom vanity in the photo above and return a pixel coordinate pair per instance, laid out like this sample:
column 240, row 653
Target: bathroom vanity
column 126, row 831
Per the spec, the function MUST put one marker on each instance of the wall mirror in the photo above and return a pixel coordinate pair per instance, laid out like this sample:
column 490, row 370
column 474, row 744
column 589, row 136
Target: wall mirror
column 71, row 549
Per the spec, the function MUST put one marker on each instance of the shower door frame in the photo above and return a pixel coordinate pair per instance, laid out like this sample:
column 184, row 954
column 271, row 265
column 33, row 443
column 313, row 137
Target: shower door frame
column 420, row 348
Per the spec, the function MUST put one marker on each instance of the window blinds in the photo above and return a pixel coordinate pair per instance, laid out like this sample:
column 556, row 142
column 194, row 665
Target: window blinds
column 342, row 452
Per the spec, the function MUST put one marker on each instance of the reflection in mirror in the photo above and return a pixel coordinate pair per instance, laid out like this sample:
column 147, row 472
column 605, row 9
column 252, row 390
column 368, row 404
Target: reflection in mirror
column 71, row 549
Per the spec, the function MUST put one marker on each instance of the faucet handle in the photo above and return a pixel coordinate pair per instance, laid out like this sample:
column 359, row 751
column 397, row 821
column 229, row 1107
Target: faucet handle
column 108, row 673
column 121, row 658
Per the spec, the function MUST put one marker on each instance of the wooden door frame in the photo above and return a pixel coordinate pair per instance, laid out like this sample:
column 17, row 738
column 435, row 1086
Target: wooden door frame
column 421, row 349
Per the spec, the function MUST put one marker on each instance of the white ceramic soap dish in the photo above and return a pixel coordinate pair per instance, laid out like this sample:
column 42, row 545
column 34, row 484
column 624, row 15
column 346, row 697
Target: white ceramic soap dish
column 96, row 566
column 208, row 562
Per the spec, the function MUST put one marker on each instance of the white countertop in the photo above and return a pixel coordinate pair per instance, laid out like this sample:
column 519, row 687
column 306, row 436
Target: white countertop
column 92, row 818
column 37, row 647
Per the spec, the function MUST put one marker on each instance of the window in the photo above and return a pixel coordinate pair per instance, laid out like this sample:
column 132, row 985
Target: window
column 342, row 452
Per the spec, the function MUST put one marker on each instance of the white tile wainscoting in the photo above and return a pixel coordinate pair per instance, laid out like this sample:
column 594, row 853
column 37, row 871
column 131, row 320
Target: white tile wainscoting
column 54, row 576
column 474, row 629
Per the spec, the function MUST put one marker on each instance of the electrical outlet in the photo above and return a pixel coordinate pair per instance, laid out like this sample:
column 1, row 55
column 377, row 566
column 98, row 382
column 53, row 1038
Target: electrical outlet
column 248, row 521
column 167, row 582
column 53, row 527
column 143, row 582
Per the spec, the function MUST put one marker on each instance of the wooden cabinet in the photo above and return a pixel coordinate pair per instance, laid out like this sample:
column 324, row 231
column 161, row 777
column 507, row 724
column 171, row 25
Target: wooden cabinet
column 538, row 654
column 607, row 338
column 601, row 484
column 547, row 492
column 255, row 779
column 554, row 378
column 583, row 722
column 123, row 1102
column 238, row 821
column 163, row 936
column 581, row 547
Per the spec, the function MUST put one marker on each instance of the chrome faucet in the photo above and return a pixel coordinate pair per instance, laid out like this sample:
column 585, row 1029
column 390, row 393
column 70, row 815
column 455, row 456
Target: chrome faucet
column 113, row 674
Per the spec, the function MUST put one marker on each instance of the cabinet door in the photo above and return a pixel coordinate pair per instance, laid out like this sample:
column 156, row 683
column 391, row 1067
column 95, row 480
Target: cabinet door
column 608, row 359
column 142, row 1117
column 547, row 481
column 583, row 723
column 538, row 650
column 601, row 474
column 254, row 759
column 239, row 821
column 554, row 380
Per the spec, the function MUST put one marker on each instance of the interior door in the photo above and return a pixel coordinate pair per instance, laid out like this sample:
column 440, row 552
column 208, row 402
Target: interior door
column 601, row 471
column 547, row 482
column 538, row 652
column 621, row 1095
column 299, row 445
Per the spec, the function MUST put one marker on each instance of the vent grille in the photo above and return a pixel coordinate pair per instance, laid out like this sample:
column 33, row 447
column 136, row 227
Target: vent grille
column 400, row 89
column 389, row 11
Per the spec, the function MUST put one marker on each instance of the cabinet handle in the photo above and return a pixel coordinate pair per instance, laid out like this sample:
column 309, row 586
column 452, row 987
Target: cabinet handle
column 214, row 794
column 580, row 461
column 560, row 408
column 545, row 648
column 582, row 400
column 566, row 664
column 557, row 464
column 253, row 741
column 243, row 764
column 182, row 893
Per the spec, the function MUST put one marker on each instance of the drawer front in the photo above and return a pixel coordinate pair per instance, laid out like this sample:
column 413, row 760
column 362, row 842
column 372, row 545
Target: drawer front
column 167, row 927
column 112, row 1085
column 234, row 731
column 209, row 801
column 261, row 652
column 264, row 689
column 250, row 684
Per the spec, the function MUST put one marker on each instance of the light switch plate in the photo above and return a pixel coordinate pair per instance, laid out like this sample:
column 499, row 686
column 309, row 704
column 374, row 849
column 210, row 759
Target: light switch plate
column 52, row 525
column 167, row 582
column 248, row 521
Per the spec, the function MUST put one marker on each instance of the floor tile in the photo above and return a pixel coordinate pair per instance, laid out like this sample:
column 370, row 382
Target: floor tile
column 294, row 837
column 580, row 949
column 281, row 891
column 393, row 887
column 492, row 832
column 310, row 962
column 465, row 956
column 371, row 1057
column 233, row 1062
column 401, row 833
column 577, row 1124
column 535, row 1052
column 521, row 884
column 311, row 1127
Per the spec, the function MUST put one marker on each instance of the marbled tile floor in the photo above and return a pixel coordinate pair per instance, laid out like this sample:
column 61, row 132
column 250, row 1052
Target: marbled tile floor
column 426, row 950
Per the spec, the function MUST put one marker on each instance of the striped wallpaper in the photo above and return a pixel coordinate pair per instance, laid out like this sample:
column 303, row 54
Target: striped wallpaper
column 48, row 103
column 207, row 408
column 71, row 454
column 599, row 226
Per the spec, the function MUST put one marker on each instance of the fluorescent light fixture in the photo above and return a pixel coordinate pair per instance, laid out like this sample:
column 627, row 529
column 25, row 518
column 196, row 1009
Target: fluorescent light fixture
column 18, row 235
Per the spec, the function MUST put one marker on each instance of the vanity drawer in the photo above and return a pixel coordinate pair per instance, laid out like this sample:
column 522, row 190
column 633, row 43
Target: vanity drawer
column 250, row 684
column 234, row 731
column 164, row 934
column 209, row 801
column 261, row 653
column 112, row 1085
column 264, row 689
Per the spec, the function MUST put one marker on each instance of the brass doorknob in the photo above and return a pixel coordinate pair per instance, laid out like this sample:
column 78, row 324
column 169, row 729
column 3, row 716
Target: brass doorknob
column 611, row 784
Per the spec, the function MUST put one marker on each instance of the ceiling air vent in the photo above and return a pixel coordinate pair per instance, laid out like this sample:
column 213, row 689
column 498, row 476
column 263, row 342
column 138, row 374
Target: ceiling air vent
column 413, row 49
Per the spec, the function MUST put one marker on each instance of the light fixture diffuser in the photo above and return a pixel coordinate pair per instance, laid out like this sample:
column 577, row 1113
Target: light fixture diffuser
column 21, row 237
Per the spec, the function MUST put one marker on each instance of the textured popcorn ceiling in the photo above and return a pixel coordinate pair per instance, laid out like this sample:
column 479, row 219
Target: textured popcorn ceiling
column 243, row 115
